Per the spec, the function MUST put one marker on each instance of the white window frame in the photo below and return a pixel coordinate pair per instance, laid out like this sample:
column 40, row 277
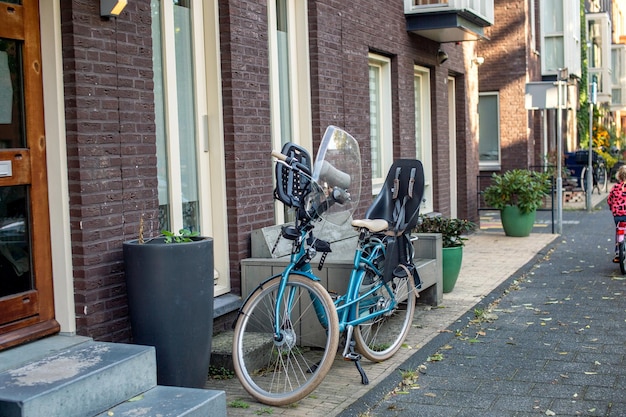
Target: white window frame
column 569, row 35
column 492, row 165
column 383, row 64
column 298, row 79
column 209, row 139
column 423, row 132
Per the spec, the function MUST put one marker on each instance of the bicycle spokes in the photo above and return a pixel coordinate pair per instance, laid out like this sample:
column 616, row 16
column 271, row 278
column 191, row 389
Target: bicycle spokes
column 281, row 367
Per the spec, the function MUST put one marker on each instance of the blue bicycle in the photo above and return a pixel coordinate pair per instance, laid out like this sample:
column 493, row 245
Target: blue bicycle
column 288, row 330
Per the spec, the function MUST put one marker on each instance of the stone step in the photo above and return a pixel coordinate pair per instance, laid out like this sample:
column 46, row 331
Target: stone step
column 29, row 352
column 80, row 380
column 172, row 402
column 222, row 350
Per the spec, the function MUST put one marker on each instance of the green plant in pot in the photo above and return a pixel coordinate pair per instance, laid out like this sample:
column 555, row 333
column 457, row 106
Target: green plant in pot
column 518, row 194
column 169, row 283
column 453, row 234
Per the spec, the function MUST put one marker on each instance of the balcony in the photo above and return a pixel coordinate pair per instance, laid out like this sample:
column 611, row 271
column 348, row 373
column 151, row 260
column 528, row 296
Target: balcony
column 449, row 20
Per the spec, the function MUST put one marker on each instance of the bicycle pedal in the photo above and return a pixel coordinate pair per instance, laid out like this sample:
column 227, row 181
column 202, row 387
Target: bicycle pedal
column 352, row 356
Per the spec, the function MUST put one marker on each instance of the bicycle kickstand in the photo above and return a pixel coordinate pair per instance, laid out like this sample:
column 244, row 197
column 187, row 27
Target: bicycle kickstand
column 350, row 355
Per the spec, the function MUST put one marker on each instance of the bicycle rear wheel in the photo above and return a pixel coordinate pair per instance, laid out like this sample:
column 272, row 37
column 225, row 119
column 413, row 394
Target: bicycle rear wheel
column 380, row 338
column 281, row 372
column 622, row 256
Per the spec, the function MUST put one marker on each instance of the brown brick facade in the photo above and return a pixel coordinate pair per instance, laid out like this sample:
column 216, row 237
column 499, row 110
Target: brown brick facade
column 109, row 110
column 111, row 132
column 511, row 62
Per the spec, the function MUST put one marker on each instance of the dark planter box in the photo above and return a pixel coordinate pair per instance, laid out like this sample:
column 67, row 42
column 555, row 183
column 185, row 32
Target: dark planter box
column 170, row 298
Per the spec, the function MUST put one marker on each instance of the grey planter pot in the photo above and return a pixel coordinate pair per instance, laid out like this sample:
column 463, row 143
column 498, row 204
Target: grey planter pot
column 170, row 298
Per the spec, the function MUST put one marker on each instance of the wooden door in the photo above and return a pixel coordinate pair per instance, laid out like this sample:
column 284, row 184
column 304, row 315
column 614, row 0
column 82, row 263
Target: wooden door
column 26, row 297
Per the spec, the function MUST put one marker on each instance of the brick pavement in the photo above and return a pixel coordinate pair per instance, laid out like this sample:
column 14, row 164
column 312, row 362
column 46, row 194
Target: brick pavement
column 552, row 342
column 486, row 264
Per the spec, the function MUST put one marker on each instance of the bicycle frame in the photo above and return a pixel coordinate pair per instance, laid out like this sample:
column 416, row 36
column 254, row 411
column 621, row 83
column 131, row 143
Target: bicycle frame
column 346, row 303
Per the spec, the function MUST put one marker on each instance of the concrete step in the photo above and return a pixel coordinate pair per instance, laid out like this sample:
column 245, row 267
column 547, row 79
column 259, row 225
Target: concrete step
column 80, row 380
column 23, row 354
column 172, row 402
column 222, row 350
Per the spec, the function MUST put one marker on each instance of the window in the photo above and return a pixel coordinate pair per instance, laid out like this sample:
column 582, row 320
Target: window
column 489, row 131
column 380, row 119
column 185, row 36
column 552, row 24
column 423, row 138
column 290, row 91
column 560, row 36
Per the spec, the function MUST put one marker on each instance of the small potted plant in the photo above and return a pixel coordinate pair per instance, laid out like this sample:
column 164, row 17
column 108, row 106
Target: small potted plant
column 169, row 283
column 453, row 234
column 518, row 194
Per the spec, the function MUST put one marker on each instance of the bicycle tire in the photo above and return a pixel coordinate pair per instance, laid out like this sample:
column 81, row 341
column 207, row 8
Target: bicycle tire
column 380, row 338
column 280, row 374
column 583, row 179
column 601, row 178
column 622, row 256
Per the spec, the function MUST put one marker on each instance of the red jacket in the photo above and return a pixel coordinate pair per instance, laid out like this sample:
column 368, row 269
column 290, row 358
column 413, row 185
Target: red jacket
column 617, row 199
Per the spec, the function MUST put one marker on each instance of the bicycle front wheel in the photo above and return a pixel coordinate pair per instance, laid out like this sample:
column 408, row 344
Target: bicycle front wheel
column 380, row 338
column 279, row 371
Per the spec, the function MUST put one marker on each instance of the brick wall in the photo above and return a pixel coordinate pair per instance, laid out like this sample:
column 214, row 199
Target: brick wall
column 109, row 110
column 247, row 127
column 341, row 36
column 111, row 132
column 509, row 63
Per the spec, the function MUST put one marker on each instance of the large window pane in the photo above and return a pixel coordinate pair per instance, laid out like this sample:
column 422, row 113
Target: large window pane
column 423, row 145
column 159, row 110
column 12, row 124
column 282, row 37
column 553, row 16
column 375, row 134
column 381, row 132
column 554, row 53
column 186, row 115
column 489, row 132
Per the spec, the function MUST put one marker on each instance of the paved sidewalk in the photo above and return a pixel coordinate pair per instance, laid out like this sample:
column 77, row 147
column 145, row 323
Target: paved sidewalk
column 489, row 259
column 549, row 341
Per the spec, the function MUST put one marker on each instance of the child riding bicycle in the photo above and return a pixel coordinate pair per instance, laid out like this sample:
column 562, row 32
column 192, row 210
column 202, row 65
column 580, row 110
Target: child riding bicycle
column 617, row 202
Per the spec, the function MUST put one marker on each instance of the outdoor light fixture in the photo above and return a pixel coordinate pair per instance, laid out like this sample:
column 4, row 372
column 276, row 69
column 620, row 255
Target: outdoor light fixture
column 113, row 8
column 441, row 57
column 478, row 61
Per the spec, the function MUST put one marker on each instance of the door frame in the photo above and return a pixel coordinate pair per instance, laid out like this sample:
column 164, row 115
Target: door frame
column 54, row 122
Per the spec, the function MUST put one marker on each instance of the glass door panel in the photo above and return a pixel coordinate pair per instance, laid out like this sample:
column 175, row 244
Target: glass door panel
column 26, row 297
column 15, row 261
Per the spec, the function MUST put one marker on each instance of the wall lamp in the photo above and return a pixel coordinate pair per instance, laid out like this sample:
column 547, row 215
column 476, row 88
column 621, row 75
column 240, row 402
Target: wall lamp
column 112, row 8
column 441, row 57
column 478, row 61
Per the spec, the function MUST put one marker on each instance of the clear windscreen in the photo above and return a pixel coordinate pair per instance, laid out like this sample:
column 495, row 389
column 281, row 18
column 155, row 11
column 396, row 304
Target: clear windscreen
column 336, row 176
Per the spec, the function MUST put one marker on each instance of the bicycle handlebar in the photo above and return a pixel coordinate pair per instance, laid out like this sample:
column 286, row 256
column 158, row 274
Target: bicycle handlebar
column 279, row 156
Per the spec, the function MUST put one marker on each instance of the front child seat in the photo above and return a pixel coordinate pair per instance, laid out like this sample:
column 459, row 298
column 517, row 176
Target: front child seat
column 398, row 202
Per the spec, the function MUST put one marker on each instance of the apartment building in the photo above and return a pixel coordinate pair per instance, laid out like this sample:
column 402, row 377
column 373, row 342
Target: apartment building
column 163, row 115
